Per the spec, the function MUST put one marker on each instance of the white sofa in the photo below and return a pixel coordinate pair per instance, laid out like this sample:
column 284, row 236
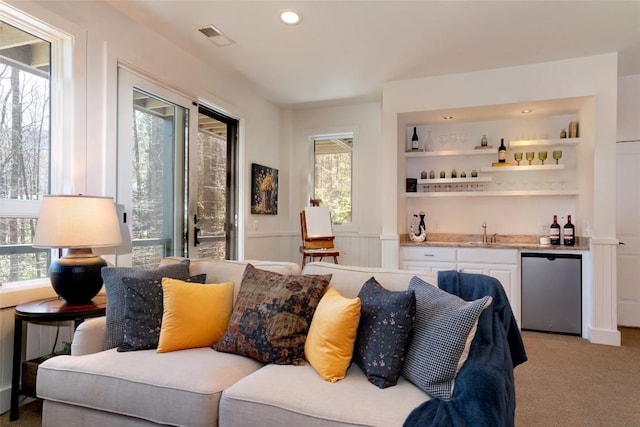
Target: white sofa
column 203, row 387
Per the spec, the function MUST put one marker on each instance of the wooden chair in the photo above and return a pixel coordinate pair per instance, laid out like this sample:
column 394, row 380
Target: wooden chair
column 317, row 235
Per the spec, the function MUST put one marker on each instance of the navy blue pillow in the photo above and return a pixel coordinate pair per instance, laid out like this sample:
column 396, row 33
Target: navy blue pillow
column 143, row 307
column 386, row 322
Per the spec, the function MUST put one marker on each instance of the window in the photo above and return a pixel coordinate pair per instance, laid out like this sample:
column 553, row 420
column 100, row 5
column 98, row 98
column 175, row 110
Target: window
column 333, row 167
column 25, row 145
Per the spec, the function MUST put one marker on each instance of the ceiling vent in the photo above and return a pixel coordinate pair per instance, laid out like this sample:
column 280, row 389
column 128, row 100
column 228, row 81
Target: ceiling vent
column 216, row 36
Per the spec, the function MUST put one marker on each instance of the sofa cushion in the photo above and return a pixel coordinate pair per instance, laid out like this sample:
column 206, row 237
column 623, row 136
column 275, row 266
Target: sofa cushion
column 112, row 277
column 329, row 344
column 298, row 395
column 177, row 388
column 445, row 325
column 384, row 331
column 143, row 312
column 194, row 315
column 271, row 316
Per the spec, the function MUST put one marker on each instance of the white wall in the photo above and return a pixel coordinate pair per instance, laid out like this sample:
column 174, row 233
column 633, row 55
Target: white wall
column 359, row 241
column 629, row 108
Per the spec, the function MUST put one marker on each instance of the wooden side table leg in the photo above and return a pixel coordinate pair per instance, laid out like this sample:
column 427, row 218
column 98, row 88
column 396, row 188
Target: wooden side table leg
column 335, row 259
column 15, row 373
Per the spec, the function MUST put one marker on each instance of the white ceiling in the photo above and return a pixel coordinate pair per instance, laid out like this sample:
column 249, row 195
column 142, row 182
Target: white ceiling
column 345, row 50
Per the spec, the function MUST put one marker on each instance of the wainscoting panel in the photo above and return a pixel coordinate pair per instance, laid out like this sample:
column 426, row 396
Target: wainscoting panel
column 359, row 249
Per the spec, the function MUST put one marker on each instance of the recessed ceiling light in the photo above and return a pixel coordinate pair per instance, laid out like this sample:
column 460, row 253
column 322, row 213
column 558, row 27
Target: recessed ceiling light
column 526, row 111
column 290, row 17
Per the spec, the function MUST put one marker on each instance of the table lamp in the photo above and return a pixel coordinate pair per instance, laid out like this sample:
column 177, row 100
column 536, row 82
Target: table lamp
column 77, row 223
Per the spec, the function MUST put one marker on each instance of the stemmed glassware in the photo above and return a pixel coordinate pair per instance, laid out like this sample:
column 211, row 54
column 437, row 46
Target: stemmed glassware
column 557, row 155
column 530, row 156
column 517, row 157
column 542, row 155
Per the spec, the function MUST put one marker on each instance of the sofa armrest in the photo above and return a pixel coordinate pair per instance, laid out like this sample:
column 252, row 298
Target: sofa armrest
column 89, row 337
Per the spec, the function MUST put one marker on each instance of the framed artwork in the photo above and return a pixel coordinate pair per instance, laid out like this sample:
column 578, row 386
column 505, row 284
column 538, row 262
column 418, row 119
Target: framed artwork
column 264, row 190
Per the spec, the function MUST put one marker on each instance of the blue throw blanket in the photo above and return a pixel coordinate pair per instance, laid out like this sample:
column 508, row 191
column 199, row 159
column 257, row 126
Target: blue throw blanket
column 484, row 392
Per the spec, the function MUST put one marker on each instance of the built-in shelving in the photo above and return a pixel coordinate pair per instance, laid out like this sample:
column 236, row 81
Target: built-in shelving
column 507, row 193
column 544, row 142
column 454, row 180
column 522, row 168
column 449, row 153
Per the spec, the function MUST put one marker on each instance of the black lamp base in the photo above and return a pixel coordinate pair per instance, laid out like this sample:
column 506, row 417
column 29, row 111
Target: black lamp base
column 77, row 276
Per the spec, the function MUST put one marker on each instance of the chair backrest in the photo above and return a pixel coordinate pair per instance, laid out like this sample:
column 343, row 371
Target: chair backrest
column 316, row 227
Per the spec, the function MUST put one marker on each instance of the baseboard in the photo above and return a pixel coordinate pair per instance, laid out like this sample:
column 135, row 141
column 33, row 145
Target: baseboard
column 605, row 336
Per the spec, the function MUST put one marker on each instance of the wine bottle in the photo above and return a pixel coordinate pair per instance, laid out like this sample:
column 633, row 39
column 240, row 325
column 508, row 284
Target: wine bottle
column 502, row 152
column 554, row 231
column 568, row 232
column 415, row 143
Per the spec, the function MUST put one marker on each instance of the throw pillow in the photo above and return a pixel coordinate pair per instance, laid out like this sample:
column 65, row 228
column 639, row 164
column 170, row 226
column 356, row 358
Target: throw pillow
column 194, row 315
column 444, row 326
column 272, row 314
column 143, row 312
column 112, row 277
column 385, row 328
column 329, row 344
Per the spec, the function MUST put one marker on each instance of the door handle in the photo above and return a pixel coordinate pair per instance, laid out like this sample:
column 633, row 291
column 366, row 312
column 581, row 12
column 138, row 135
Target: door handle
column 196, row 230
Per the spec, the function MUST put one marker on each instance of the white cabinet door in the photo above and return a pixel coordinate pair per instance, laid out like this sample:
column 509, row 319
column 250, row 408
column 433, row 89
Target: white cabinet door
column 628, row 231
column 427, row 258
column 504, row 266
column 432, row 267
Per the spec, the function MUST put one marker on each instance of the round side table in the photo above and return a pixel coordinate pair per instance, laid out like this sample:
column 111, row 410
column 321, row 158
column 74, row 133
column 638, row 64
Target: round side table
column 49, row 310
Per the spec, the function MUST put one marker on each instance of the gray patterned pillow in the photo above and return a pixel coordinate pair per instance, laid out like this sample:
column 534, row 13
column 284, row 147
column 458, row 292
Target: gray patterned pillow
column 386, row 322
column 143, row 308
column 112, row 277
column 444, row 326
column 272, row 315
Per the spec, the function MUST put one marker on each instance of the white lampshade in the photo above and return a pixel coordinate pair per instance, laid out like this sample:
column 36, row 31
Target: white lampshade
column 77, row 222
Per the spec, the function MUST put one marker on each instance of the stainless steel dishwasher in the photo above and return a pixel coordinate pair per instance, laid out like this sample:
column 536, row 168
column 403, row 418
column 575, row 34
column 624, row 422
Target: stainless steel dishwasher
column 552, row 292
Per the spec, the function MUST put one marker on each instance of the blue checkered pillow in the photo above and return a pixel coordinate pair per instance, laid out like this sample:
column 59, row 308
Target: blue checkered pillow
column 442, row 333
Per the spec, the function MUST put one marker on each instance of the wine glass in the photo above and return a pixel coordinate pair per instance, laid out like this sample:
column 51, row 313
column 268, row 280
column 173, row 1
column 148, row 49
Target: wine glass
column 542, row 155
column 517, row 157
column 530, row 156
column 557, row 155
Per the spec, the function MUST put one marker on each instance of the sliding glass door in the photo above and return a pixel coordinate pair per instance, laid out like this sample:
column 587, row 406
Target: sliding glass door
column 176, row 174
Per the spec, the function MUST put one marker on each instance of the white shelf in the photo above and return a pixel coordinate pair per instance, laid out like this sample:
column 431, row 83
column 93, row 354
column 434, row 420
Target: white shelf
column 454, row 180
column 544, row 142
column 522, row 168
column 511, row 193
column 451, row 153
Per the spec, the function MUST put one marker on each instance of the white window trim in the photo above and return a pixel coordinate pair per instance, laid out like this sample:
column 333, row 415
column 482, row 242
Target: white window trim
column 61, row 131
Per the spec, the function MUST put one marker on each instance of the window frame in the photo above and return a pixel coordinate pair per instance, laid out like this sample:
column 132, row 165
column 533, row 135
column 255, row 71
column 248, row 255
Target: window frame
column 60, row 117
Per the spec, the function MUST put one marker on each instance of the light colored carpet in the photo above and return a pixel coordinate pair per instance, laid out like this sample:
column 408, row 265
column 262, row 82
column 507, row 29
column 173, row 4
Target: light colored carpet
column 569, row 382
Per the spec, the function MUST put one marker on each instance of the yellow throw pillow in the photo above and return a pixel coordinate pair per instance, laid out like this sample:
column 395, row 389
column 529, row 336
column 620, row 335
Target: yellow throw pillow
column 332, row 334
column 194, row 315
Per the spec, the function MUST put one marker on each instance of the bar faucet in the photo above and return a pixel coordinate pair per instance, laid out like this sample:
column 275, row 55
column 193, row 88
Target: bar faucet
column 494, row 238
column 484, row 232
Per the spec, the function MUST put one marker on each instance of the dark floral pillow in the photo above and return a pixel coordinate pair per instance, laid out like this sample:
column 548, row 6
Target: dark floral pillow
column 272, row 315
column 143, row 307
column 386, row 322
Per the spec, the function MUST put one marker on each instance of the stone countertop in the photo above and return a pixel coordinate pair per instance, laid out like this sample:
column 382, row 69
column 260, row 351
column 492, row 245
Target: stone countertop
column 526, row 242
